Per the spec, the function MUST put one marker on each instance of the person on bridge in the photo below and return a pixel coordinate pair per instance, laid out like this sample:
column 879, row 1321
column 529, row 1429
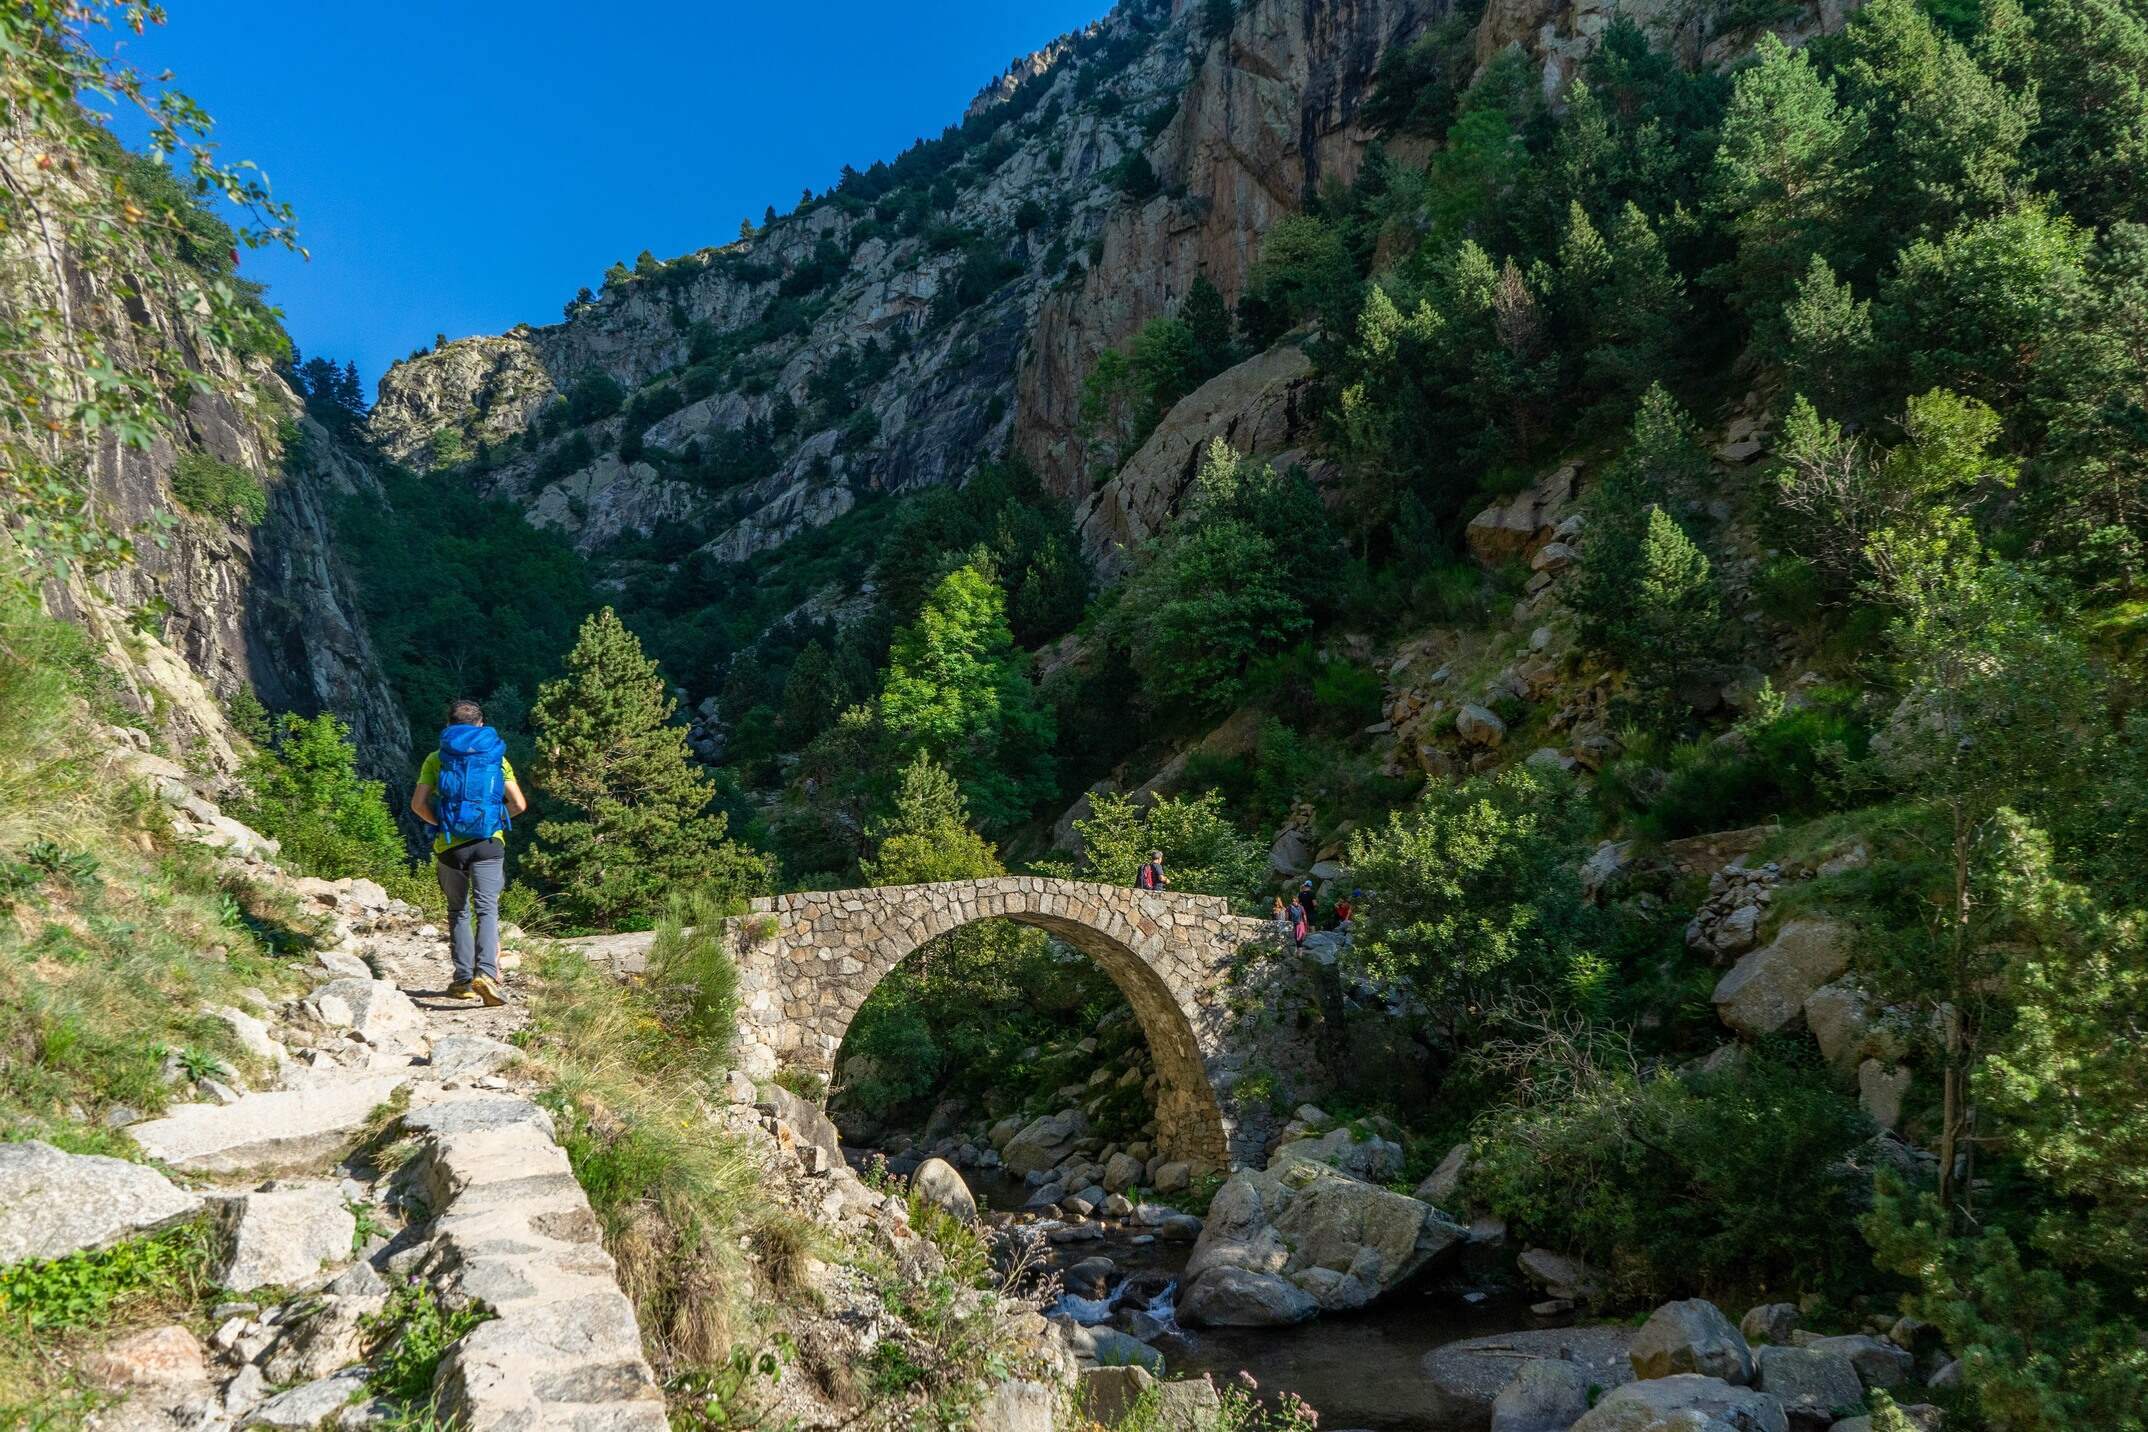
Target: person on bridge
column 1286, row 926
column 467, row 793
column 1151, row 876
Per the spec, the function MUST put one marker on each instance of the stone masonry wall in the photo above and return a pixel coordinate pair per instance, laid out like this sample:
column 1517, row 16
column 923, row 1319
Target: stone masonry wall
column 807, row 962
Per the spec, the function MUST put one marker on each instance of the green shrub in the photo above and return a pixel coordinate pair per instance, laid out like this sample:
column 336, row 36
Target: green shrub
column 1477, row 889
column 1204, row 853
column 306, row 792
column 1786, row 767
column 1726, row 1184
column 692, row 973
column 210, row 487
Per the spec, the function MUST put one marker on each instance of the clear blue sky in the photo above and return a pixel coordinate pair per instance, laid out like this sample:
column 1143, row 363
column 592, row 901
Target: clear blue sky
column 461, row 166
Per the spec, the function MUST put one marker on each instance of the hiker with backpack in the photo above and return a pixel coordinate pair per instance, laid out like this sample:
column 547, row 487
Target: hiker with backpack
column 1151, row 876
column 467, row 794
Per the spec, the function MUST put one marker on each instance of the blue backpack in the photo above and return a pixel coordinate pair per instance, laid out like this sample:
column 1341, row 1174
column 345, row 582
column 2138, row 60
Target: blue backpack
column 471, row 799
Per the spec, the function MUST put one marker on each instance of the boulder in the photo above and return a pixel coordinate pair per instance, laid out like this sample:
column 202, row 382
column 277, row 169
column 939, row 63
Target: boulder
column 1370, row 1157
column 153, row 1358
column 1464, row 1379
column 1229, row 1297
column 1815, row 1388
column 1109, row 1393
column 1292, row 853
column 284, row 1129
column 1769, row 1323
column 1767, row 989
column 1691, row 1336
column 343, row 963
column 1882, row 1089
column 54, row 1203
column 806, row 1120
column 1338, row 1238
column 1608, row 870
column 939, row 1185
column 374, row 1010
column 1560, row 1275
column 1879, row 1363
column 252, row 1035
column 311, row 1405
column 1839, row 1014
column 1090, row 1278
column 318, row 1337
column 1013, row 1406
column 1261, row 407
column 1687, row 1402
column 1445, row 1181
column 1546, row 1395
column 471, row 1056
column 283, row 1235
column 1045, row 1142
column 1189, row 1405
column 1479, row 726
column 1108, row 1347
column 1121, row 1172
column 1173, row 1177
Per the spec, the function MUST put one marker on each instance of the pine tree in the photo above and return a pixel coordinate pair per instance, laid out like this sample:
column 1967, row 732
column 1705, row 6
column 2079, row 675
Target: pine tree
column 1676, row 616
column 1787, row 174
column 350, row 393
column 958, row 690
column 928, row 835
column 812, row 695
column 634, row 824
column 1209, row 319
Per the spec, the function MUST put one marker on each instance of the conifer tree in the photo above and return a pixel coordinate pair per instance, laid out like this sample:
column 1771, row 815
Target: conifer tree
column 957, row 690
column 812, row 694
column 633, row 823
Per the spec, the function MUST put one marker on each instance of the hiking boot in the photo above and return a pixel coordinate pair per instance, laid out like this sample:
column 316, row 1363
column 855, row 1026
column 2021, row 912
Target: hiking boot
column 486, row 989
column 459, row 990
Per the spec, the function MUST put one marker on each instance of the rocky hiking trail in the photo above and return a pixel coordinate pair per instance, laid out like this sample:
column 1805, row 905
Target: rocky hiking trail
column 393, row 1152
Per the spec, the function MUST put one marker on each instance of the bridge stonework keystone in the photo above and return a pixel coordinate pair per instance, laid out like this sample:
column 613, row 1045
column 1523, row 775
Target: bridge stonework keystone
column 807, row 961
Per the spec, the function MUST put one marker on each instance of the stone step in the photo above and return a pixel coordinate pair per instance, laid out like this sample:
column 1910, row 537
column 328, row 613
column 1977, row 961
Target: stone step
column 289, row 1128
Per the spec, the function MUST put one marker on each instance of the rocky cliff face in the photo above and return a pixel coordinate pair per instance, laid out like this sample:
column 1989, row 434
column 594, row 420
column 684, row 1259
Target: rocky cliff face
column 211, row 605
column 215, row 607
column 1270, row 114
column 945, row 305
column 1238, row 127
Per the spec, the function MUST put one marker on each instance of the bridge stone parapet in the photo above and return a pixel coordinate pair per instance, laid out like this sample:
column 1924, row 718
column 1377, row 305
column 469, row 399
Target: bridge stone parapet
column 807, row 962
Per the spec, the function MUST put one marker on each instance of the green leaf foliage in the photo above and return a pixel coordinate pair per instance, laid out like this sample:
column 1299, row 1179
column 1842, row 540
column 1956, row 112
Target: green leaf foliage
column 632, row 821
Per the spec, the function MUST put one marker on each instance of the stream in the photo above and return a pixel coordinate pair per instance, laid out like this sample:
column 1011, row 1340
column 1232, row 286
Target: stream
column 1358, row 1370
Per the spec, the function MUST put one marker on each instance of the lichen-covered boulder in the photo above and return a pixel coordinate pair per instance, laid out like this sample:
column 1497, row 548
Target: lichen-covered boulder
column 1687, row 1402
column 1338, row 1239
column 1691, row 1336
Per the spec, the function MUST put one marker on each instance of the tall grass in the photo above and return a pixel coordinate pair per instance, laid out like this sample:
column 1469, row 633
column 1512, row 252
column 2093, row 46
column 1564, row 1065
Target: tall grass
column 114, row 938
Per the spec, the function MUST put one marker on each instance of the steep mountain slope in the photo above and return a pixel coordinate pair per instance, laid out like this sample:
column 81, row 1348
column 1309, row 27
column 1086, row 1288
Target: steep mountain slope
column 926, row 313
column 234, row 587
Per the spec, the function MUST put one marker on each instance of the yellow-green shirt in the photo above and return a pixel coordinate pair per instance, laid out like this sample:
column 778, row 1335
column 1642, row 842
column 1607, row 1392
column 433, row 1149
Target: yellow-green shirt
column 429, row 775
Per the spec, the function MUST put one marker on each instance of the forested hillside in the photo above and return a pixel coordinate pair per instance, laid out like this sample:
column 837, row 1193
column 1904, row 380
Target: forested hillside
column 1648, row 509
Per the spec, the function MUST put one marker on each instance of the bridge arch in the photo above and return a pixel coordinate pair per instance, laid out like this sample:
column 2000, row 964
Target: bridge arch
column 807, row 961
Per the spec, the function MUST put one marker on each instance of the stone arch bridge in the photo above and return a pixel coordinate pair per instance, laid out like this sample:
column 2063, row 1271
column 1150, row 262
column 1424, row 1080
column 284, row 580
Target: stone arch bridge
column 807, row 962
